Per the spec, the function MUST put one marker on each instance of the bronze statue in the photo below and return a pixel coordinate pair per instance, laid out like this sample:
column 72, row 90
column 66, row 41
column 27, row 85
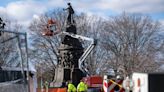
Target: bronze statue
column 70, row 14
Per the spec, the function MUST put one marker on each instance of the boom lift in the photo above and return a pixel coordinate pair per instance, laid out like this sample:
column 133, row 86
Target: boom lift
column 88, row 50
column 70, row 36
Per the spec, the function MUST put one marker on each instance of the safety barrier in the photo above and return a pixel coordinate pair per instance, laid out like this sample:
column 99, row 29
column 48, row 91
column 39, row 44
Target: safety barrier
column 112, row 86
column 52, row 90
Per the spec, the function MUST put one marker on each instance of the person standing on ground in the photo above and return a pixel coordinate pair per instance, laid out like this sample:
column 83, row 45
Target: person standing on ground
column 71, row 87
column 82, row 87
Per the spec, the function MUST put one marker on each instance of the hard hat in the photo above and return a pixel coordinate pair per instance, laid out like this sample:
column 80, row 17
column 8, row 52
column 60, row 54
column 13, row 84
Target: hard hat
column 118, row 77
column 51, row 21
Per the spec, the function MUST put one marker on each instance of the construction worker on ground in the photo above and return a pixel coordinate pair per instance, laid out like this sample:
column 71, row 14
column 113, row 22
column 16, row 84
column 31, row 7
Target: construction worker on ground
column 82, row 86
column 71, row 87
column 128, row 84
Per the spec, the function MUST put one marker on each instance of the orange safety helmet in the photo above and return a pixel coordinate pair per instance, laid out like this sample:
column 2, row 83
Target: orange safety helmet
column 51, row 21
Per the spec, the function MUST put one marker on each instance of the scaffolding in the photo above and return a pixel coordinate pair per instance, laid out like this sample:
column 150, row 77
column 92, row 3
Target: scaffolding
column 23, row 55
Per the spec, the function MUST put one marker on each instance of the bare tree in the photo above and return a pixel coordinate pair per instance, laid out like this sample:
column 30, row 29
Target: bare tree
column 44, row 48
column 8, row 47
column 44, row 51
column 130, row 40
column 91, row 26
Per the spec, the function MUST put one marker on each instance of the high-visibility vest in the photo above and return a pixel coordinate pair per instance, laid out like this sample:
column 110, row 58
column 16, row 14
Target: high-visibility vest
column 71, row 88
column 82, row 87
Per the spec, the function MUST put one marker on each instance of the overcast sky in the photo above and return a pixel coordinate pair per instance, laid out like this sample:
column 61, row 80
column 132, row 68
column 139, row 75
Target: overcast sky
column 24, row 10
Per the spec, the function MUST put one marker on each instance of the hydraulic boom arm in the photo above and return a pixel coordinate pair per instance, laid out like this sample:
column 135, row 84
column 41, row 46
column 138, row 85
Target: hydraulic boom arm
column 86, row 52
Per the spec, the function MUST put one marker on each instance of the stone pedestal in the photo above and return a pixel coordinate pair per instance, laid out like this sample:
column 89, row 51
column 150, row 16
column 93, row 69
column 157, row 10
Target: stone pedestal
column 70, row 51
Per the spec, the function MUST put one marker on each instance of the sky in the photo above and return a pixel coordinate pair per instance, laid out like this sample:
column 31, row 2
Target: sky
column 25, row 10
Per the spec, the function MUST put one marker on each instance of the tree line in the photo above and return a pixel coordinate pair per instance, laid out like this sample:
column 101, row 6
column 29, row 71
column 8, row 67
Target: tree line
column 126, row 43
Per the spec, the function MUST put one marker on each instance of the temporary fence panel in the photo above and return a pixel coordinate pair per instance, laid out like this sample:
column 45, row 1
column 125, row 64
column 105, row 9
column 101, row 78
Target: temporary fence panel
column 52, row 90
column 112, row 86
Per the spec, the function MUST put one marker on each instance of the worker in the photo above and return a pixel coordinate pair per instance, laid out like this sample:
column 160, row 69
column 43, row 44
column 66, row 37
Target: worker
column 51, row 25
column 52, row 28
column 128, row 84
column 82, row 86
column 71, row 87
column 46, row 84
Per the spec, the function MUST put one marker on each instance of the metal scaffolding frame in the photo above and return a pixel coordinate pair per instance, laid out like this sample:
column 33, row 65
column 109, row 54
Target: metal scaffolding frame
column 17, row 36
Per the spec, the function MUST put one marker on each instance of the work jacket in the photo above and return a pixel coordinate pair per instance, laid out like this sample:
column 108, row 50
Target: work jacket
column 82, row 87
column 71, row 88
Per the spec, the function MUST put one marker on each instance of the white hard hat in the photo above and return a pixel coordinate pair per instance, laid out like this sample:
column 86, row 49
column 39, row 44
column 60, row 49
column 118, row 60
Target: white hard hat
column 118, row 77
